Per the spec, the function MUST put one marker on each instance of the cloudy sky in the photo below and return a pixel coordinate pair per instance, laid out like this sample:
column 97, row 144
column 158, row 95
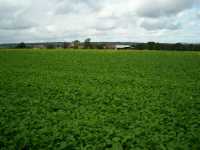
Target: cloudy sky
column 101, row 20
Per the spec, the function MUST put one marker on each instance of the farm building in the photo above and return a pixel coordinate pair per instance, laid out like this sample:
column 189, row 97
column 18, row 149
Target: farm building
column 38, row 46
column 122, row 47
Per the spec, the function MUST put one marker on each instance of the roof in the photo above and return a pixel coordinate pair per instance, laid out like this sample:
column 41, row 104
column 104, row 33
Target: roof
column 122, row 46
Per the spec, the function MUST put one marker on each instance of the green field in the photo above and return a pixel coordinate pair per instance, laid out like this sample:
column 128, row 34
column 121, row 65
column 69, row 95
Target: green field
column 97, row 100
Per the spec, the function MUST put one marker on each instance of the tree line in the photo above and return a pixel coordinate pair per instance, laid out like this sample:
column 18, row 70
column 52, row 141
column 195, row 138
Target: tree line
column 87, row 44
column 167, row 46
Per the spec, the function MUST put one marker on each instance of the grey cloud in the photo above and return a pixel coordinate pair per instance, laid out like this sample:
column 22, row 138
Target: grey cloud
column 153, row 25
column 158, row 8
column 198, row 15
column 106, row 23
column 16, row 24
column 12, row 18
column 8, row 10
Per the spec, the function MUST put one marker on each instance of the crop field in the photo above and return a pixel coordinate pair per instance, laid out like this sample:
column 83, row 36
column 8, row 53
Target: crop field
column 99, row 100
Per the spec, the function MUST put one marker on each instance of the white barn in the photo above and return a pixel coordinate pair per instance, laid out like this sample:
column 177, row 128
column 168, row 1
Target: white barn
column 122, row 47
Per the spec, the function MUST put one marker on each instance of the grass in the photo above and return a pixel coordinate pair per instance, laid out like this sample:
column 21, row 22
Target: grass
column 56, row 99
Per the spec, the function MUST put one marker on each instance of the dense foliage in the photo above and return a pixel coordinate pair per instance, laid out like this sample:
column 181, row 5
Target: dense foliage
column 99, row 100
column 21, row 45
column 167, row 46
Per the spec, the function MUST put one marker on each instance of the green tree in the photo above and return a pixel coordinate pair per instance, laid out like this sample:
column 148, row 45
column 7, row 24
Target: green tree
column 21, row 45
column 50, row 46
column 151, row 45
column 87, row 43
column 76, row 44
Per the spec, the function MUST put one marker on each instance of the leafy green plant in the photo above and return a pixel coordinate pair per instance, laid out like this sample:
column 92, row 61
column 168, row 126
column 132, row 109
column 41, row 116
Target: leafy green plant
column 55, row 99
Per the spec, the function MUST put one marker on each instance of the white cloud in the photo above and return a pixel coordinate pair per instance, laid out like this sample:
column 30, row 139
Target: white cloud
column 113, row 20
